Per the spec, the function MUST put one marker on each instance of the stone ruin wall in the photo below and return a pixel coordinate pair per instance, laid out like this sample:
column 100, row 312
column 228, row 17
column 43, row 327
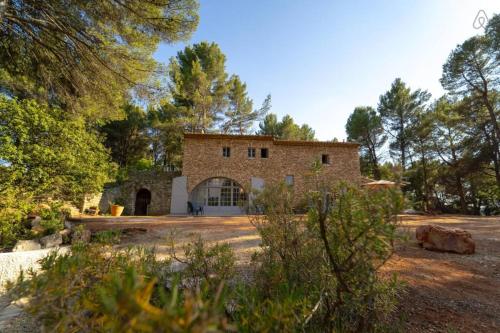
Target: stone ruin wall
column 158, row 182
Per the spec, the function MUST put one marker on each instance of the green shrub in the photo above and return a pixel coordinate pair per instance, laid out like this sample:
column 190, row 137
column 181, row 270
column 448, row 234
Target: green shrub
column 108, row 236
column 13, row 225
column 321, row 273
column 212, row 265
column 97, row 289
column 53, row 216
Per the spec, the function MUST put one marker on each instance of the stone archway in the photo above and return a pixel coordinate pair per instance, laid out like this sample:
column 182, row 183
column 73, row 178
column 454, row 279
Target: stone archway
column 218, row 196
column 142, row 202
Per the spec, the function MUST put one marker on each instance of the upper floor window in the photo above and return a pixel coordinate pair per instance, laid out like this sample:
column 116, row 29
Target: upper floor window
column 251, row 152
column 226, row 151
column 325, row 159
column 264, row 153
column 289, row 180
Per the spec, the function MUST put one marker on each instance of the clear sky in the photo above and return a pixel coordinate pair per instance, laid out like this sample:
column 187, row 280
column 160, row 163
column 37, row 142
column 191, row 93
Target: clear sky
column 320, row 59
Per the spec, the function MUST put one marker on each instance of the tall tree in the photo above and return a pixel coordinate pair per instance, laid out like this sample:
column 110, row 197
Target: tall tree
column 473, row 70
column 198, row 85
column 448, row 134
column 85, row 56
column 240, row 115
column 286, row 129
column 165, row 135
column 421, row 146
column 127, row 138
column 365, row 126
column 269, row 125
column 46, row 154
column 397, row 109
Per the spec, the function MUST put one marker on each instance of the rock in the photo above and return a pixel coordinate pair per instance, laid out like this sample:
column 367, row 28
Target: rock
column 80, row 236
column 437, row 238
column 51, row 240
column 413, row 212
column 68, row 224
column 34, row 221
column 26, row 245
column 66, row 235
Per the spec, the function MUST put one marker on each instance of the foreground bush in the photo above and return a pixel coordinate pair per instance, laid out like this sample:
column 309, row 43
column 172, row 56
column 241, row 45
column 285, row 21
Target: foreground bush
column 14, row 223
column 319, row 273
column 97, row 289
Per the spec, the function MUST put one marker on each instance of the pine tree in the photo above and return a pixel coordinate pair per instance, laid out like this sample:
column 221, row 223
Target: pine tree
column 240, row 115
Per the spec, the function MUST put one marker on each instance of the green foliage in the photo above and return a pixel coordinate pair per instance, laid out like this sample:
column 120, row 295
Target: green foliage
column 107, row 237
column 13, row 225
column 286, row 129
column 85, row 57
column 94, row 289
column 210, row 265
column 198, row 85
column 48, row 155
column 127, row 138
column 365, row 127
column 240, row 115
column 166, row 130
column 205, row 97
column 471, row 72
column 320, row 274
column 397, row 109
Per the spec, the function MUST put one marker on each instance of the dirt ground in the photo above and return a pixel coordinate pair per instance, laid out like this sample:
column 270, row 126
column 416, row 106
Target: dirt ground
column 444, row 292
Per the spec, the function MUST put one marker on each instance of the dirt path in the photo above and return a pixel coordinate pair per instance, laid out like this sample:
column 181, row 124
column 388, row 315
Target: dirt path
column 445, row 292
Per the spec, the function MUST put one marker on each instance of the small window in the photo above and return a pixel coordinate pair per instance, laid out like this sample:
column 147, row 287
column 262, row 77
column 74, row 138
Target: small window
column 226, row 151
column 289, row 180
column 264, row 153
column 251, row 152
column 325, row 159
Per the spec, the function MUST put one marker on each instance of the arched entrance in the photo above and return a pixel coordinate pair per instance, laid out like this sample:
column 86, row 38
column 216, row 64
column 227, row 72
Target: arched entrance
column 142, row 201
column 218, row 196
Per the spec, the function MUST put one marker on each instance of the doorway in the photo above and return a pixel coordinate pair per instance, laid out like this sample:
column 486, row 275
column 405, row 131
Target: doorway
column 142, row 201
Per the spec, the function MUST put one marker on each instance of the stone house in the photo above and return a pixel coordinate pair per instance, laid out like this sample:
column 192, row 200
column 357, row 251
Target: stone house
column 220, row 171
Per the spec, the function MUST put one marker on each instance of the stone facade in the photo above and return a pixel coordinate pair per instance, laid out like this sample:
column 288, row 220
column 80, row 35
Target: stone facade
column 157, row 182
column 203, row 159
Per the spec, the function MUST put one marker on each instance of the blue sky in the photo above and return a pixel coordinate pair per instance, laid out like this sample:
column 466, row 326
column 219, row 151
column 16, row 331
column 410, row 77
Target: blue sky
column 320, row 59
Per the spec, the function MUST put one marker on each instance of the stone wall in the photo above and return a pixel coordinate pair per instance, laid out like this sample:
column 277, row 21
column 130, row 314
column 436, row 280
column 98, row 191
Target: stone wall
column 203, row 159
column 157, row 182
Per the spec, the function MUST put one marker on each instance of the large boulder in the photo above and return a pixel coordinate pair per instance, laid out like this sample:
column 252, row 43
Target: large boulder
column 51, row 240
column 26, row 245
column 437, row 238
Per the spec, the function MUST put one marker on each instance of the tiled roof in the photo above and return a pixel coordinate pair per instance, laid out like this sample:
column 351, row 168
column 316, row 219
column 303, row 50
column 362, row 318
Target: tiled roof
column 270, row 138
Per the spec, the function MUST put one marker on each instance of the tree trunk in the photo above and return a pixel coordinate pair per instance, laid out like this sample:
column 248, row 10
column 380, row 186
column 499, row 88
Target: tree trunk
column 426, row 187
column 461, row 194
column 493, row 118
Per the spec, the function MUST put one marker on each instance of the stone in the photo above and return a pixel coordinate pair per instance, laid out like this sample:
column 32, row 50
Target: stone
column 66, row 235
column 34, row 221
column 26, row 245
column 437, row 238
column 51, row 240
column 80, row 236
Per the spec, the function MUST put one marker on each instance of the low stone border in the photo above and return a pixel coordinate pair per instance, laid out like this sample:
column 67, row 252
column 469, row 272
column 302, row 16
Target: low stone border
column 11, row 263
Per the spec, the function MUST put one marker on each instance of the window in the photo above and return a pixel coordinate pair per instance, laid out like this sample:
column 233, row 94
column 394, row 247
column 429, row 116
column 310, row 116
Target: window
column 226, row 151
column 218, row 192
column 251, row 152
column 264, row 153
column 325, row 159
column 289, row 180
